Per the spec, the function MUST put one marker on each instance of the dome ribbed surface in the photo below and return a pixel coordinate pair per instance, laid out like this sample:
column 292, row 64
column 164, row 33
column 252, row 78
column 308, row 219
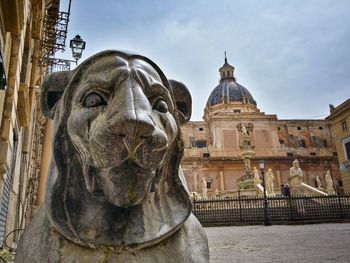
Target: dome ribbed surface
column 228, row 91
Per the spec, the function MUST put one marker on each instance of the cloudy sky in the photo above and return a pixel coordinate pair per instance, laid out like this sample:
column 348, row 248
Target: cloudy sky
column 293, row 56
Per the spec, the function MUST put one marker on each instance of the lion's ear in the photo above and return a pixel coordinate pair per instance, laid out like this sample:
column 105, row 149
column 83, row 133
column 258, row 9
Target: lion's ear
column 52, row 89
column 183, row 101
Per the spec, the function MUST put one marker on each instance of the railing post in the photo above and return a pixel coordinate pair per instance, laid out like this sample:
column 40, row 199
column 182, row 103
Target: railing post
column 240, row 206
column 340, row 207
column 194, row 206
column 290, row 208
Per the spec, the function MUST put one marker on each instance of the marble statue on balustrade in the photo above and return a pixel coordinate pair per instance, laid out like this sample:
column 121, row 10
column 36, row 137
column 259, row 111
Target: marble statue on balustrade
column 269, row 183
column 329, row 181
column 204, row 189
column 116, row 191
column 318, row 182
column 296, row 178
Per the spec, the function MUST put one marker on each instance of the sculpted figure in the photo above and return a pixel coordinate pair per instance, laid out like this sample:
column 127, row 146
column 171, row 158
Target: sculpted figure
column 296, row 178
column 269, row 182
column 115, row 190
column 244, row 130
column 318, row 182
column 329, row 181
column 256, row 176
column 204, row 189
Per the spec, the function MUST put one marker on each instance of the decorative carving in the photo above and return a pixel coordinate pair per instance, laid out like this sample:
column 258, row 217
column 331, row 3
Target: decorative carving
column 115, row 182
column 257, row 180
column 246, row 139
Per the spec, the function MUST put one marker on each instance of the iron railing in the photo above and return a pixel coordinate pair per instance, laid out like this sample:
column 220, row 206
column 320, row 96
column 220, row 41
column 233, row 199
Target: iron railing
column 282, row 210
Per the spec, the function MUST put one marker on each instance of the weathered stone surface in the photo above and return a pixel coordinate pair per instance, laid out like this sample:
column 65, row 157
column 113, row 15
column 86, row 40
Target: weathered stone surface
column 116, row 191
column 42, row 243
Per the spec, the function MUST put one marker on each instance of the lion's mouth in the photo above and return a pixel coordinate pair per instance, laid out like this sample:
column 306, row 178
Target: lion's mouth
column 123, row 185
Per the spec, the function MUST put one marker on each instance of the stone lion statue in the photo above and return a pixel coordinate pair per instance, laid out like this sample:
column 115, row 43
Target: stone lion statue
column 115, row 190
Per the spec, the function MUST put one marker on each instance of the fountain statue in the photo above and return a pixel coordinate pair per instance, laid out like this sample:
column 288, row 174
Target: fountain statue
column 269, row 183
column 244, row 130
column 318, row 182
column 247, row 180
column 329, row 181
column 204, row 189
column 296, row 178
column 257, row 180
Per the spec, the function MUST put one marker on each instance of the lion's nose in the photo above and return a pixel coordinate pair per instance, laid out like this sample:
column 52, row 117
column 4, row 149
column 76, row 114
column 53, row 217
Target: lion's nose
column 129, row 115
column 133, row 128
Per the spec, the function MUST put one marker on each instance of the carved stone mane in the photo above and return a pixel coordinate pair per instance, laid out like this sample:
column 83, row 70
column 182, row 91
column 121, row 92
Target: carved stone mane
column 115, row 180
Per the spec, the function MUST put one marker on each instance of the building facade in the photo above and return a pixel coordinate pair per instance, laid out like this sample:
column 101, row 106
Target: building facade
column 20, row 33
column 28, row 37
column 340, row 126
column 213, row 146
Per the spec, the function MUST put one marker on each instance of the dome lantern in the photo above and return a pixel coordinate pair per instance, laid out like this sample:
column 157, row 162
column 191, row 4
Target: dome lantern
column 227, row 71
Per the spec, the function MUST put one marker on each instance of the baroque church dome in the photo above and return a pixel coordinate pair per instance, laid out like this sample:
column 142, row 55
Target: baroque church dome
column 228, row 89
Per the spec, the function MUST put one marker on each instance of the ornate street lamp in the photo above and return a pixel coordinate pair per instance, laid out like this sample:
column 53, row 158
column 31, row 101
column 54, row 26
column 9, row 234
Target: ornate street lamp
column 267, row 219
column 77, row 45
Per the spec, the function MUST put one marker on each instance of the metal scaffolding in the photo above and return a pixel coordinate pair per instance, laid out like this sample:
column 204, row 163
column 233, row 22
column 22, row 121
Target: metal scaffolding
column 54, row 38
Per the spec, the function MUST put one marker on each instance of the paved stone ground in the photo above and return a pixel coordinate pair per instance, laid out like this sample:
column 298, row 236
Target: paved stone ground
column 280, row 243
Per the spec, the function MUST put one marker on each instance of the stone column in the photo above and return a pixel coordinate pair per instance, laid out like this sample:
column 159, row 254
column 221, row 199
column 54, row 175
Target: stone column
column 45, row 161
column 279, row 180
column 195, row 188
column 222, row 181
column 195, row 174
column 214, row 136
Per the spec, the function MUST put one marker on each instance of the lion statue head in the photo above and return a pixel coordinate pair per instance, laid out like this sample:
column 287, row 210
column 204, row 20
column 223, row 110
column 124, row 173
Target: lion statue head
column 115, row 178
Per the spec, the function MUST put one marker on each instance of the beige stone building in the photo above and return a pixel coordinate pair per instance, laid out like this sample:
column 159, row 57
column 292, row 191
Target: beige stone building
column 340, row 126
column 212, row 146
column 28, row 38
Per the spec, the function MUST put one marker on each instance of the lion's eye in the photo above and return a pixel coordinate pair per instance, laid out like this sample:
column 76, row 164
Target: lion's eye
column 93, row 100
column 161, row 106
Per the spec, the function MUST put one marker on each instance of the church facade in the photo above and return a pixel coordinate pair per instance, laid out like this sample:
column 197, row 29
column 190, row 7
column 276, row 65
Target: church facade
column 213, row 146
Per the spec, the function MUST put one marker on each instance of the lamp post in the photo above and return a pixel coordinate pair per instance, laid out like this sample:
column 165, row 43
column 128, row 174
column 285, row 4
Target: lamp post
column 59, row 64
column 77, row 45
column 267, row 219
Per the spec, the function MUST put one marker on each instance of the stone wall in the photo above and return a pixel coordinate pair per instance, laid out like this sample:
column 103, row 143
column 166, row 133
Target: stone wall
column 340, row 127
column 21, row 25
